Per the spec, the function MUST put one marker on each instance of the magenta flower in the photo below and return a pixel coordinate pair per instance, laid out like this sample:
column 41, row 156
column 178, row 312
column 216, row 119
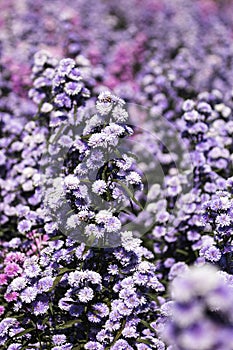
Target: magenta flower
column 12, row 269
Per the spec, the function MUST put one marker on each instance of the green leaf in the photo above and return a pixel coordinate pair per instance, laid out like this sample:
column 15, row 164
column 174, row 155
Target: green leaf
column 147, row 325
column 130, row 194
column 144, row 341
column 69, row 324
column 56, row 238
column 20, row 334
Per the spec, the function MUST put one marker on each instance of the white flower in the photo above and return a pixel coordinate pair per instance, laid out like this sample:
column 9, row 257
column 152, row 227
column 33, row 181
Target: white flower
column 18, row 283
column 103, row 216
column 99, row 187
column 133, row 178
column 71, row 182
column 86, row 294
column 120, row 114
column 73, row 221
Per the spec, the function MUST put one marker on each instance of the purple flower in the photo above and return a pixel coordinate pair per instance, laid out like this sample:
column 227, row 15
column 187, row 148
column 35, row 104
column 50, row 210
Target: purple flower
column 41, row 307
column 29, row 294
column 121, row 345
column 63, row 101
column 99, row 187
column 59, row 339
column 24, row 226
column 223, row 220
column 45, row 284
column 93, row 345
column 212, row 254
column 86, row 294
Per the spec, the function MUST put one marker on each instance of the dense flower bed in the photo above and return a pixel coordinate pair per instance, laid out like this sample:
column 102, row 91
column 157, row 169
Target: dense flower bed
column 116, row 163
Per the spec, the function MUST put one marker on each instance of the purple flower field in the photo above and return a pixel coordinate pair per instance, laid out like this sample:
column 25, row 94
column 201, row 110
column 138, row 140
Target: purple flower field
column 116, row 164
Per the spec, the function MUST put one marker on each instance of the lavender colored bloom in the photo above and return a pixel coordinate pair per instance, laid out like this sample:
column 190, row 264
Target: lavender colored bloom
column 194, row 313
column 73, row 88
column 15, row 346
column 63, row 101
column 223, row 220
column 45, row 284
column 212, row 254
column 86, row 294
column 28, row 295
column 99, row 187
column 93, row 345
column 41, row 307
column 59, row 339
column 24, row 226
column 121, row 345
column 18, row 283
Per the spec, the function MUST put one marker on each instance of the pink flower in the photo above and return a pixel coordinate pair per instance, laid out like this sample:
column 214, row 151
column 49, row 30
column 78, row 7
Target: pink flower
column 12, row 269
column 14, row 257
column 2, row 309
column 3, row 279
column 11, row 296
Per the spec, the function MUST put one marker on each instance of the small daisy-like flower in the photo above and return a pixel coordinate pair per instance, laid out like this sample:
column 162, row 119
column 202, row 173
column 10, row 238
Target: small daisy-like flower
column 18, row 283
column 113, row 269
column 45, row 284
column 125, row 163
column 159, row 231
column 73, row 221
column 81, row 191
column 62, row 100
column 94, row 230
column 104, row 103
column 120, row 114
column 223, row 220
column 188, row 105
column 3, row 279
column 11, row 296
column 32, row 270
column 103, row 216
column 113, row 130
column 86, row 294
column 71, row 182
column 93, row 318
column 102, row 309
column 28, row 295
column 73, row 88
column 65, row 66
column 113, row 224
column 59, row 339
column 40, row 307
column 75, row 74
column 85, row 215
column 133, row 178
column 99, row 187
column 129, row 242
column 76, row 277
column 93, row 345
column 162, row 216
column 212, row 254
column 97, row 140
column 24, row 226
column 12, row 269
column 130, row 332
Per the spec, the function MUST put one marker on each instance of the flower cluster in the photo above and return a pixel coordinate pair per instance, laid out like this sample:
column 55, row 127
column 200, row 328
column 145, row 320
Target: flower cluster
column 107, row 202
column 98, row 179
column 199, row 316
column 67, row 298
